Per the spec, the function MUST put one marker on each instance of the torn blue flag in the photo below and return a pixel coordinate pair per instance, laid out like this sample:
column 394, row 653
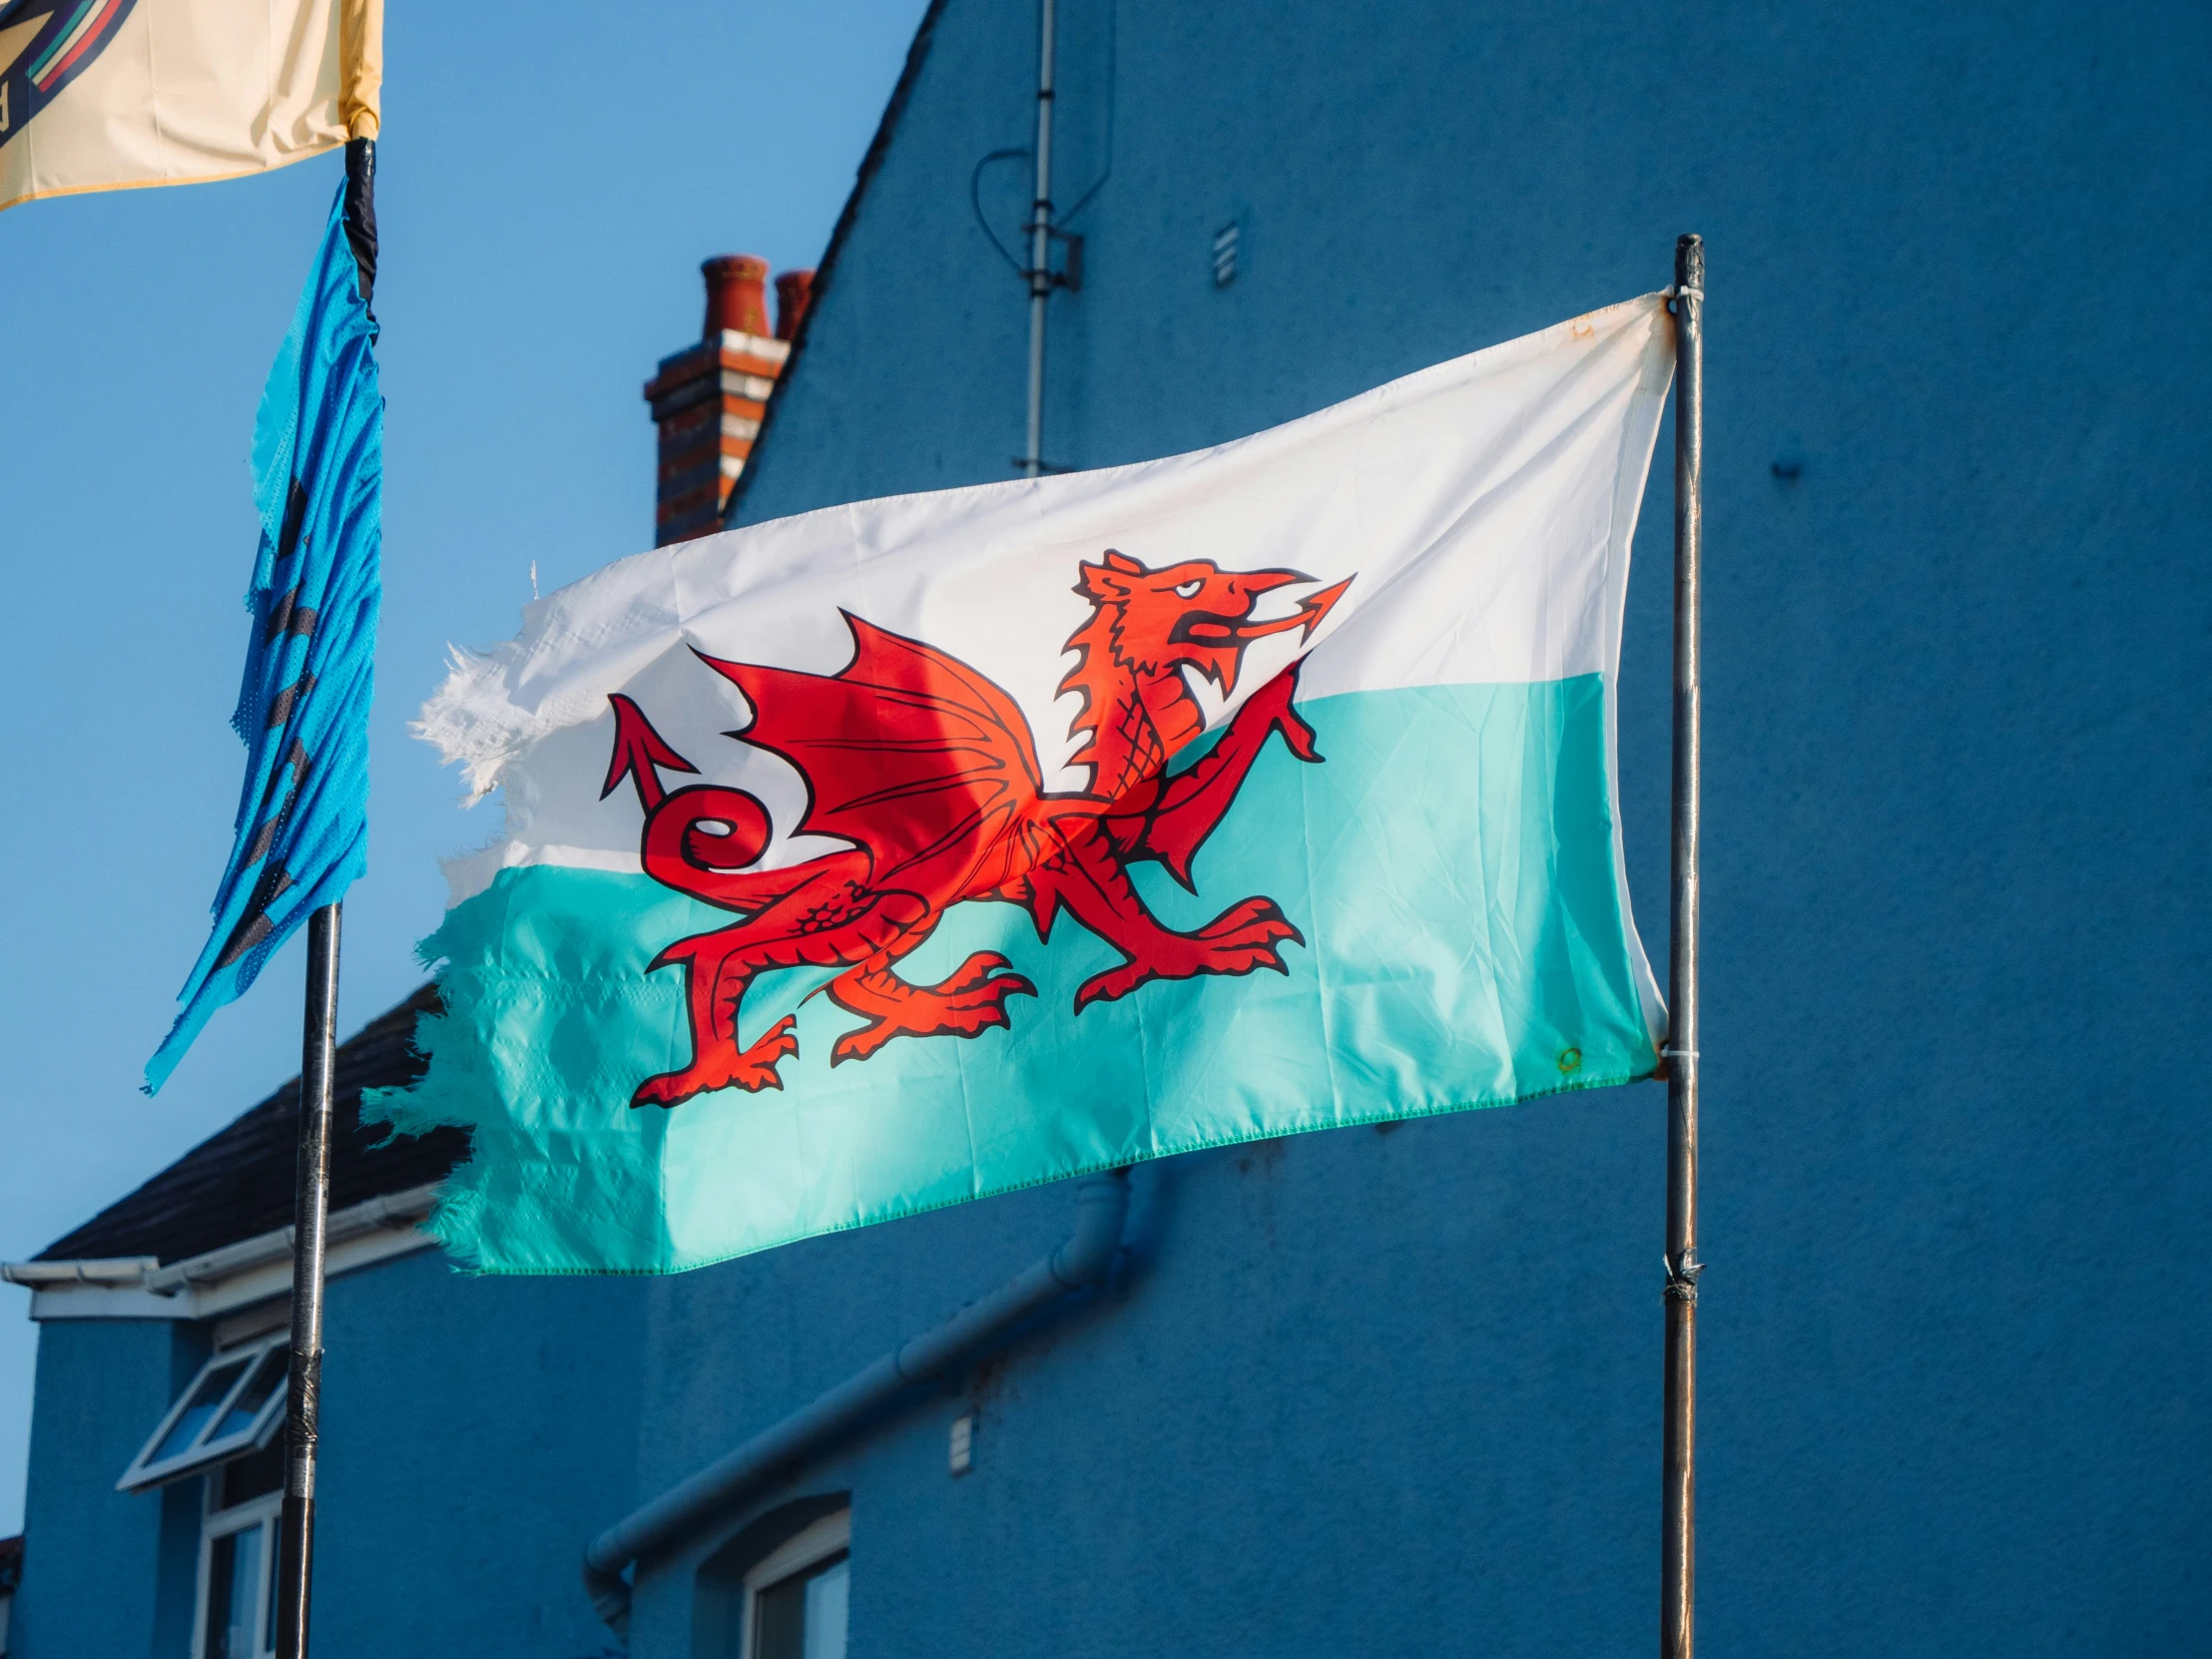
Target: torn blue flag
column 302, row 819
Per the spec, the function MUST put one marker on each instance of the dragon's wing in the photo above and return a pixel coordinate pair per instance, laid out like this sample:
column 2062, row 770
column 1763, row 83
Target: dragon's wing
column 908, row 752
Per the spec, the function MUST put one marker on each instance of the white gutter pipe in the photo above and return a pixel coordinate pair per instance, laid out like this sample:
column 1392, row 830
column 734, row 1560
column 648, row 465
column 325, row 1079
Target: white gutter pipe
column 1102, row 1203
column 98, row 1270
column 215, row 1265
column 276, row 1245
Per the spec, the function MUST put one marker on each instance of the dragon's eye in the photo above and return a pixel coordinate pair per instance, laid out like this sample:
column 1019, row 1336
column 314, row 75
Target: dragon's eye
column 1189, row 590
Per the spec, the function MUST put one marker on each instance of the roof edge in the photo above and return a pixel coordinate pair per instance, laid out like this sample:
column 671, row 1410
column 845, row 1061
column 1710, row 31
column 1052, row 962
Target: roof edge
column 918, row 54
column 215, row 1281
column 253, row 1156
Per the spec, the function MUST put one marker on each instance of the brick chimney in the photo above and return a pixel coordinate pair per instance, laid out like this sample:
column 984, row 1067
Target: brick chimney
column 708, row 398
column 793, row 290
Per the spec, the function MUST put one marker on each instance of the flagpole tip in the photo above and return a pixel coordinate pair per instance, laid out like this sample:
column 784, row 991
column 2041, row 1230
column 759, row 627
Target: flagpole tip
column 1689, row 259
column 360, row 211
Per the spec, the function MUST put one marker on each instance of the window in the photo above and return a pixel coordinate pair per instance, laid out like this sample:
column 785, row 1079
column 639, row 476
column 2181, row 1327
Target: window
column 777, row 1590
column 230, row 1406
column 236, row 1616
column 795, row 1599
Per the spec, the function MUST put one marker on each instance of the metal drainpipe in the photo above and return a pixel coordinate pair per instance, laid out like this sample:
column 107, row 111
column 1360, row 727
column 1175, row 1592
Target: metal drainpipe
column 1102, row 1203
column 1040, row 241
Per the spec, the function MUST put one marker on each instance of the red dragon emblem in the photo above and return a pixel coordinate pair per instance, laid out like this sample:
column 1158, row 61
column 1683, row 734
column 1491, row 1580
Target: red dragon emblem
column 928, row 769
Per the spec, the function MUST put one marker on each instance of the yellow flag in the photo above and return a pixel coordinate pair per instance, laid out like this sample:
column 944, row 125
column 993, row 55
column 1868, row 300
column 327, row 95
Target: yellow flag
column 118, row 94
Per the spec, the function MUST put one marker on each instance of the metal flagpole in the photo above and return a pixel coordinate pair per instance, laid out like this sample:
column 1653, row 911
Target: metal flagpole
column 303, row 1395
column 318, row 1047
column 1678, row 1456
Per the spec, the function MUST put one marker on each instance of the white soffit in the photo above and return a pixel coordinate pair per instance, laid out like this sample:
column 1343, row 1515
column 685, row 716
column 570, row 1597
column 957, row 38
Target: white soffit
column 221, row 1281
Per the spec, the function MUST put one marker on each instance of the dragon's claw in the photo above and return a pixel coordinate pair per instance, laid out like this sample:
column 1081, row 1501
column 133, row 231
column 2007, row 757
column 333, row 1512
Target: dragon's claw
column 978, row 969
column 968, row 1003
column 1248, row 919
column 724, row 1067
column 1247, row 936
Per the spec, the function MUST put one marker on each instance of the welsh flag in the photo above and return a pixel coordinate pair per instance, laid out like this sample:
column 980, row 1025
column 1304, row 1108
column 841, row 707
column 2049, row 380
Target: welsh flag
column 900, row 854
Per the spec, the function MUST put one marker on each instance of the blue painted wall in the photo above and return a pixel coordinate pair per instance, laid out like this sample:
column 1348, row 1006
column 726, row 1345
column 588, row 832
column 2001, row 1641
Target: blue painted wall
column 1397, row 1394
column 475, row 1434
column 1958, row 1168
column 1303, row 1420
column 101, row 1577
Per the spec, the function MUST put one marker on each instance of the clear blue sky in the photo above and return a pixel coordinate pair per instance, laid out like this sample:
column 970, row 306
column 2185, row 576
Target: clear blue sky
column 545, row 196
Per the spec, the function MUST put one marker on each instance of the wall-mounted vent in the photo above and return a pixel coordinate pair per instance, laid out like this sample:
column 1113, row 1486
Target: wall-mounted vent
column 1225, row 253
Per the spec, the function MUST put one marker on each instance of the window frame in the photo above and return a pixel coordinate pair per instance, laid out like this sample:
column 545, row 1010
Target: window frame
column 265, row 1514
column 811, row 1546
column 203, row 1455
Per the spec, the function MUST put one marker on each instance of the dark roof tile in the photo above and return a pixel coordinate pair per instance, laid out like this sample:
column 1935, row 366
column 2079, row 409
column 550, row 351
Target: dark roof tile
column 239, row 1182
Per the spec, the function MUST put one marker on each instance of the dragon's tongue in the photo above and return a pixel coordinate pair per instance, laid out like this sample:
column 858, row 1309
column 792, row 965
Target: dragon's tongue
column 1315, row 606
column 1307, row 616
column 1244, row 633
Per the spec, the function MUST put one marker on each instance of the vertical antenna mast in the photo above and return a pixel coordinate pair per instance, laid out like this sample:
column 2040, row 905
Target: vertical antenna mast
column 1040, row 242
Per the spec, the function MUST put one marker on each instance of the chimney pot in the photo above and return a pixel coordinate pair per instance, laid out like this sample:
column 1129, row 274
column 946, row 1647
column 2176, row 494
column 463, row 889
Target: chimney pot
column 736, row 294
column 794, row 289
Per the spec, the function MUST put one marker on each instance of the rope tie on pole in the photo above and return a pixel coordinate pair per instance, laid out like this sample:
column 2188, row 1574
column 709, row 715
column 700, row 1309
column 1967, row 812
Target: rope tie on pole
column 1682, row 1277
